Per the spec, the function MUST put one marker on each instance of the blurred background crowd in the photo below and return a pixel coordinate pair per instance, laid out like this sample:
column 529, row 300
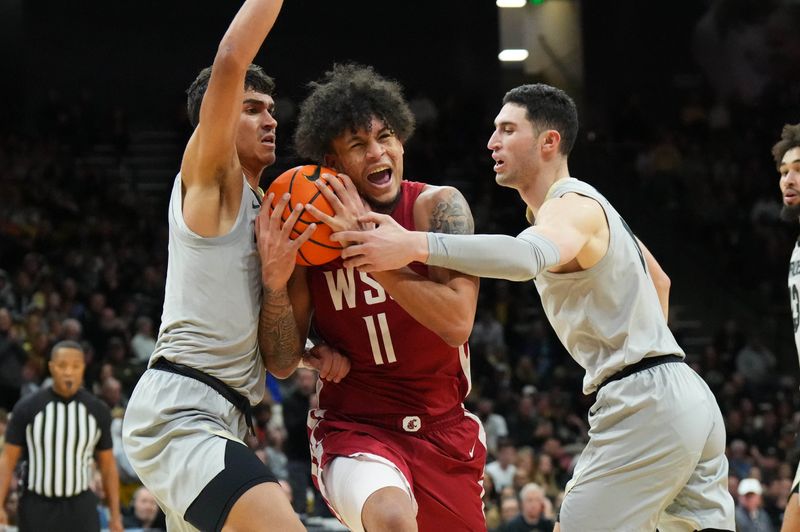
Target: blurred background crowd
column 684, row 156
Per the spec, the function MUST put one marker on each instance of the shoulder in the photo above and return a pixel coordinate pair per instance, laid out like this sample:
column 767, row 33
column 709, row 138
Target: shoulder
column 443, row 209
column 30, row 404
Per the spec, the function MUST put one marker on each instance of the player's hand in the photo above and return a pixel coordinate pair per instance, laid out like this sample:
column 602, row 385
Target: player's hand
column 332, row 365
column 387, row 247
column 345, row 201
column 277, row 249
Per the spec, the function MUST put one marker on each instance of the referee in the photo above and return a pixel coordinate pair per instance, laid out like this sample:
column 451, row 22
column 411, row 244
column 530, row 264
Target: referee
column 59, row 429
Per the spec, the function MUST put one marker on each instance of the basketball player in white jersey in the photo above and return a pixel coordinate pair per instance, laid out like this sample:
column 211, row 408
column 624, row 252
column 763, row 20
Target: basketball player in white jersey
column 655, row 458
column 787, row 156
column 185, row 423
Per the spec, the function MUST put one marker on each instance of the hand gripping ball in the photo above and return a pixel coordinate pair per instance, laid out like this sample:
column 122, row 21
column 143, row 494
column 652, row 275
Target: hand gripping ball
column 299, row 183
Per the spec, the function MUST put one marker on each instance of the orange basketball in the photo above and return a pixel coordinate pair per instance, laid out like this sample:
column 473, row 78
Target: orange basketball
column 299, row 182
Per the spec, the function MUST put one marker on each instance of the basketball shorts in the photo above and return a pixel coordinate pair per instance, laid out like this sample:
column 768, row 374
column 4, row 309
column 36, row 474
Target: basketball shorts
column 441, row 461
column 655, row 458
column 184, row 440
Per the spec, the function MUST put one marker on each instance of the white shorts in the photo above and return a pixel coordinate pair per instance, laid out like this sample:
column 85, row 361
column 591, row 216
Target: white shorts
column 349, row 481
column 655, row 458
column 184, row 440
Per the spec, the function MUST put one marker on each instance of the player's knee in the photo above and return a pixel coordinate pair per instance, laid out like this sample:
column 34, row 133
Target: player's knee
column 389, row 509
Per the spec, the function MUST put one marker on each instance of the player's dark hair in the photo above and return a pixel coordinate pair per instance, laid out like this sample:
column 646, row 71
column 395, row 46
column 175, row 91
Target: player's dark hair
column 255, row 79
column 548, row 108
column 790, row 138
column 346, row 99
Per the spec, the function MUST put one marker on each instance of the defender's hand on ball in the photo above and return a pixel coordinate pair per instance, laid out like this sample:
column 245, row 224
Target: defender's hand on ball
column 387, row 247
column 345, row 200
column 332, row 365
column 277, row 249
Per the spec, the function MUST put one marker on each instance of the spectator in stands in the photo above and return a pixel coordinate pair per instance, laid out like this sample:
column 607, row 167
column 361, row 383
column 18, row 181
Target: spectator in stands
column 532, row 517
column 504, row 468
column 144, row 512
column 750, row 516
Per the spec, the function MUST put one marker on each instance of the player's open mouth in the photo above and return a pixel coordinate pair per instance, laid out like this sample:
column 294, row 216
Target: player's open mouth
column 381, row 176
column 269, row 140
column 498, row 164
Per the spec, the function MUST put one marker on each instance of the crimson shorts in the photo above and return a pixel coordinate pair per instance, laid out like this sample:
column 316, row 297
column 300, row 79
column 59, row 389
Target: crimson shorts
column 442, row 458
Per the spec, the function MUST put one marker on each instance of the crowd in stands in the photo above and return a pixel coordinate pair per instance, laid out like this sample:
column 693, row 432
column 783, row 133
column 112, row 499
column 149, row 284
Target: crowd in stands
column 83, row 257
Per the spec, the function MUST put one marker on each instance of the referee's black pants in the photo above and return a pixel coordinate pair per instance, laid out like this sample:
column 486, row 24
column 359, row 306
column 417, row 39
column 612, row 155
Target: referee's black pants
column 64, row 514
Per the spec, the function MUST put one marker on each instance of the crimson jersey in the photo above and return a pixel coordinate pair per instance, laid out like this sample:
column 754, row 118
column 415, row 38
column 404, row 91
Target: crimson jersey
column 398, row 366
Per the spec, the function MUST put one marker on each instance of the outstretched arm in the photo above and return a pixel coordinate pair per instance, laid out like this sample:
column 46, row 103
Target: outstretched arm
column 567, row 229
column 210, row 171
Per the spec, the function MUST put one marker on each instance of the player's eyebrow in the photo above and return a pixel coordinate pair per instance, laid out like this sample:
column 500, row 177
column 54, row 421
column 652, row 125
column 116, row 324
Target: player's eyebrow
column 784, row 165
column 252, row 101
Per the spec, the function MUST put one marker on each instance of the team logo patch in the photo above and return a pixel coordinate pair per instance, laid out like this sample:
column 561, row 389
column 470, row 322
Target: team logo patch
column 412, row 423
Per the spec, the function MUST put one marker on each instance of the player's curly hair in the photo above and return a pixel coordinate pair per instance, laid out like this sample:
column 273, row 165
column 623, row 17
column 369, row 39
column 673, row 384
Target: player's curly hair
column 255, row 79
column 548, row 107
column 346, row 98
column 790, row 138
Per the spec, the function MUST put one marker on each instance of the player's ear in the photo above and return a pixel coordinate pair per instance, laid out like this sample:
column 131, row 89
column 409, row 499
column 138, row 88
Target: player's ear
column 551, row 140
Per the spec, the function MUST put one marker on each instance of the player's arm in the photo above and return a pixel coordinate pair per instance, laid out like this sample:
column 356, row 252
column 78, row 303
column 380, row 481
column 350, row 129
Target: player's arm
column 8, row 461
column 210, row 170
column 108, row 472
column 566, row 229
column 446, row 300
column 284, row 322
column 661, row 281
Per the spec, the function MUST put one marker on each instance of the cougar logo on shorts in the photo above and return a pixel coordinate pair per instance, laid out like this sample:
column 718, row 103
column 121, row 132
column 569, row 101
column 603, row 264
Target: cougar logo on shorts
column 411, row 423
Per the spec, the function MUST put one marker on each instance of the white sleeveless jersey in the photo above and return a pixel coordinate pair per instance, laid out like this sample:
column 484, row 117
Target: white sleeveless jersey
column 608, row 316
column 213, row 298
column 794, row 292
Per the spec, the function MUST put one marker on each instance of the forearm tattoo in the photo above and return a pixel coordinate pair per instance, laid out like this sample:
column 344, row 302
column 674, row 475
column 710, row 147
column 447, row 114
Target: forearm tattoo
column 277, row 335
column 452, row 215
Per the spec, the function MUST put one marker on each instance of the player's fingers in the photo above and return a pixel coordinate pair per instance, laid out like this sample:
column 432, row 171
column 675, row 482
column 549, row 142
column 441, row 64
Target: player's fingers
column 336, row 368
column 360, row 262
column 344, row 368
column 304, row 236
column 375, row 218
column 318, row 214
column 353, row 250
column 275, row 216
column 326, row 362
column 288, row 225
column 349, row 236
column 331, row 193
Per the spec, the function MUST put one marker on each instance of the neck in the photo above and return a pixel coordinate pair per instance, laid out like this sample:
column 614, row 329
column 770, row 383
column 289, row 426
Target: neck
column 536, row 194
column 253, row 176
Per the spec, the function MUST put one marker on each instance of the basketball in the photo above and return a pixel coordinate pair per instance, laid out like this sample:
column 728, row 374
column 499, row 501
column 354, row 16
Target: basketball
column 299, row 183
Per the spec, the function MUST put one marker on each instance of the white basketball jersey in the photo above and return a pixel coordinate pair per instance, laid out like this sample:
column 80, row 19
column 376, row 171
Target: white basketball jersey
column 794, row 292
column 608, row 316
column 213, row 298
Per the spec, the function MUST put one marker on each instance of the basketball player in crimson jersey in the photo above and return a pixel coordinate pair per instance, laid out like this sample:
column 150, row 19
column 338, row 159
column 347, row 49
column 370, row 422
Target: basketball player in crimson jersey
column 392, row 446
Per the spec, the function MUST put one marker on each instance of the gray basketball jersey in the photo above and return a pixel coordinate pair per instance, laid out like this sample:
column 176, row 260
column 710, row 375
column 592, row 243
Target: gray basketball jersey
column 608, row 316
column 794, row 293
column 213, row 298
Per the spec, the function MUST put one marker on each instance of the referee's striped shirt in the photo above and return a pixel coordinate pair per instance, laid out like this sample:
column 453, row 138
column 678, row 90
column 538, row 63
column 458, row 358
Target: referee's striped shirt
column 59, row 438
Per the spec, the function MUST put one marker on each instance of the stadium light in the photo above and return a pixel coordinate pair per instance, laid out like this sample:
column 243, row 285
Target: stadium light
column 511, row 3
column 513, row 54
